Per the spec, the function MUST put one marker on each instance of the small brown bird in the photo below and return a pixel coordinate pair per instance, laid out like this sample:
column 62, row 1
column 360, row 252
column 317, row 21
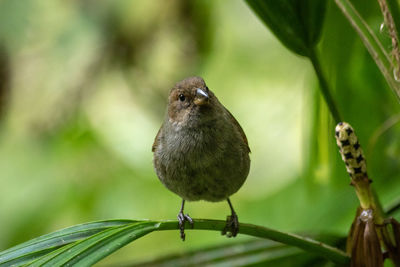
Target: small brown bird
column 200, row 151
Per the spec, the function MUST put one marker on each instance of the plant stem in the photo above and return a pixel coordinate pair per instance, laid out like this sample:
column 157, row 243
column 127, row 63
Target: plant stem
column 391, row 14
column 393, row 6
column 324, row 86
column 371, row 42
column 307, row 244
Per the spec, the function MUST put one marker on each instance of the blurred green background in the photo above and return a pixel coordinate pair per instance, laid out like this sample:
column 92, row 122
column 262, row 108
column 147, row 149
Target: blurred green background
column 83, row 91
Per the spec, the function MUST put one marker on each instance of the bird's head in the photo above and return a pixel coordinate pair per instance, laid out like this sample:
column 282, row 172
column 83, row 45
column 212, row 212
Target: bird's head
column 190, row 101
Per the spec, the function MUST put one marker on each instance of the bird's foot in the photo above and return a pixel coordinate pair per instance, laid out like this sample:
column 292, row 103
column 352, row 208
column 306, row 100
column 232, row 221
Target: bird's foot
column 181, row 219
column 232, row 225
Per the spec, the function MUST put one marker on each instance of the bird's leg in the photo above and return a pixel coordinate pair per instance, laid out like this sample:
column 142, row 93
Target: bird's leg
column 182, row 218
column 232, row 223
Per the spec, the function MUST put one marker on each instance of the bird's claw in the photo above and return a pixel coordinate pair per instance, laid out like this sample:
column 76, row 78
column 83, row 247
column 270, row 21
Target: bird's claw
column 181, row 219
column 232, row 226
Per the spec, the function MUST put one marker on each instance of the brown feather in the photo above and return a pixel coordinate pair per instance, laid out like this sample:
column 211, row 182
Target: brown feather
column 156, row 140
column 242, row 134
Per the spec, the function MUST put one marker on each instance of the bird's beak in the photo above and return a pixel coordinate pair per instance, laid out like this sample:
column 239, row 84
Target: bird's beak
column 201, row 97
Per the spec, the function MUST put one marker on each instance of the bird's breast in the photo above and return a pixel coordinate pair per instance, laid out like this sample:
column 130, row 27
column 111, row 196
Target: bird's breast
column 201, row 162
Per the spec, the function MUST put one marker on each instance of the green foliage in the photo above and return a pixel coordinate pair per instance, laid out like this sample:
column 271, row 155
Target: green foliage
column 89, row 85
column 256, row 252
column 96, row 247
column 393, row 8
column 86, row 244
column 297, row 24
column 35, row 248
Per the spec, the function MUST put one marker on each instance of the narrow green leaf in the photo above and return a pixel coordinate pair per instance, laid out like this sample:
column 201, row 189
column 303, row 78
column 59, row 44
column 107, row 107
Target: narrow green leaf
column 43, row 260
column 296, row 23
column 112, row 235
column 98, row 246
column 257, row 251
column 304, row 243
column 28, row 257
column 371, row 42
column 393, row 207
column 214, row 253
column 30, row 250
column 263, row 257
column 393, row 6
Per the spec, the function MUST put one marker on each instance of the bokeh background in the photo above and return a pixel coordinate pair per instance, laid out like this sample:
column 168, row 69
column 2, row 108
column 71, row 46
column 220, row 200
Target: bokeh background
column 83, row 91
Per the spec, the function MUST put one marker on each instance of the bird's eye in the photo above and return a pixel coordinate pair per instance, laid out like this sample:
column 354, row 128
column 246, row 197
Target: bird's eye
column 182, row 97
column 206, row 88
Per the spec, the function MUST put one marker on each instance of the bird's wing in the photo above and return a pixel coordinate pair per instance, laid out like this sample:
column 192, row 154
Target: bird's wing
column 236, row 123
column 156, row 140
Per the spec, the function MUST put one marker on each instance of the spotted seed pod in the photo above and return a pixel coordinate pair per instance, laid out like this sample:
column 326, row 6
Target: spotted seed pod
column 350, row 151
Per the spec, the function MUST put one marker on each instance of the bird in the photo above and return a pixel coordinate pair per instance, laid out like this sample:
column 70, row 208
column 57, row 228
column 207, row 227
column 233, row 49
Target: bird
column 200, row 152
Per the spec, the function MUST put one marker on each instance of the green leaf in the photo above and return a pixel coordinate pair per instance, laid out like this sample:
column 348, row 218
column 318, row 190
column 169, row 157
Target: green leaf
column 96, row 247
column 371, row 42
column 88, row 243
column 30, row 250
column 249, row 252
column 393, row 6
column 296, row 23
